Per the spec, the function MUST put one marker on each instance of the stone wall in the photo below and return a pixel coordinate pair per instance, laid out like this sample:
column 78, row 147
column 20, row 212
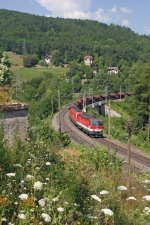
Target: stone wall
column 14, row 120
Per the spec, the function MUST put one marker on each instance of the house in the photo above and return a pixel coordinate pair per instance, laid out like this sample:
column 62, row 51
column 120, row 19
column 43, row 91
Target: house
column 48, row 59
column 94, row 72
column 88, row 60
column 112, row 70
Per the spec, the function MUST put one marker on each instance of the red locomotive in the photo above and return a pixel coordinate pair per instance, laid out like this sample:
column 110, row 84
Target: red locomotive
column 88, row 123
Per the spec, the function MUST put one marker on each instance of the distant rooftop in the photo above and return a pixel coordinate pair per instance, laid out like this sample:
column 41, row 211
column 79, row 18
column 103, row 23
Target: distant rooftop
column 88, row 57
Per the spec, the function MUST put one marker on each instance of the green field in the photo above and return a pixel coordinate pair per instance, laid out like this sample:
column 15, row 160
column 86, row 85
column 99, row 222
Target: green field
column 26, row 74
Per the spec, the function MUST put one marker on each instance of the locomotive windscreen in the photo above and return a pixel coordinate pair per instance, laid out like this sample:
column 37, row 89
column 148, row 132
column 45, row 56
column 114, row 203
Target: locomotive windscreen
column 96, row 123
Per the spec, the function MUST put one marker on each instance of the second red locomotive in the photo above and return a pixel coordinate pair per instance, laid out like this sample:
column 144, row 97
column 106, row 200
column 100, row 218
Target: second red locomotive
column 88, row 123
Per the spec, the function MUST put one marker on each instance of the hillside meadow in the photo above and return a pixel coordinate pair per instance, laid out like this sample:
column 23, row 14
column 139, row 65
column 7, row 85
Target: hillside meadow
column 26, row 74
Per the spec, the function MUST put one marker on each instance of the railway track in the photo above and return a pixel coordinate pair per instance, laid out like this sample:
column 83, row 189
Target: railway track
column 139, row 160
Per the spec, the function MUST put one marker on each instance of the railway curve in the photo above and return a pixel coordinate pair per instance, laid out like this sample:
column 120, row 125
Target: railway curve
column 62, row 123
column 139, row 159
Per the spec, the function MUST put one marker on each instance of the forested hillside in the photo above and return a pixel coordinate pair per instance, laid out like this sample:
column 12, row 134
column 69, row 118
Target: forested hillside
column 68, row 39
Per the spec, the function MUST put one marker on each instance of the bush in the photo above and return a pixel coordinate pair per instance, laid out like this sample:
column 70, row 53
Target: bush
column 42, row 62
column 30, row 60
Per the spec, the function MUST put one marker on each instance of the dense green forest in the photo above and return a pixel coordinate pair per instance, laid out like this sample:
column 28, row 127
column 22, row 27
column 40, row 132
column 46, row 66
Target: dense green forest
column 68, row 39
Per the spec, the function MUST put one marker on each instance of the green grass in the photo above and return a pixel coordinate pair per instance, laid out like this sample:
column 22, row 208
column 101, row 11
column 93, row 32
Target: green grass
column 16, row 61
column 26, row 74
column 120, row 107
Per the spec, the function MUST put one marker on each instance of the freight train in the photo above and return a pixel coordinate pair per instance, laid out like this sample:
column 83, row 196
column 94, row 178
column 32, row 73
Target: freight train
column 88, row 123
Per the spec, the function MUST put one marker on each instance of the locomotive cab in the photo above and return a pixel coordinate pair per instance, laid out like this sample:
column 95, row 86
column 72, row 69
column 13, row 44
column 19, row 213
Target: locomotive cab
column 97, row 127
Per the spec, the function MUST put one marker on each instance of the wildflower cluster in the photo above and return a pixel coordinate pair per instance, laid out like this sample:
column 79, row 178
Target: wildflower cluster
column 43, row 186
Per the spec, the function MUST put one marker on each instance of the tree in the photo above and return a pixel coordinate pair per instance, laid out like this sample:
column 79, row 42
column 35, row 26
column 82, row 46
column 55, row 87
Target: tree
column 141, row 92
column 30, row 60
column 5, row 74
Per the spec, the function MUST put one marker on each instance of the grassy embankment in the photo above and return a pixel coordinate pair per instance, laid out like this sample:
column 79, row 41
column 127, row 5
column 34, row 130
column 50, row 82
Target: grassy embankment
column 68, row 185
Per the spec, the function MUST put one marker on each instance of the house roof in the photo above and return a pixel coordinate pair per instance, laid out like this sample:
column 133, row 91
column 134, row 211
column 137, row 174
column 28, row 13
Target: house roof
column 112, row 68
column 88, row 57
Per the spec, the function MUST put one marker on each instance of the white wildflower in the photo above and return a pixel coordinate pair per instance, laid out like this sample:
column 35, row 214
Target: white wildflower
column 3, row 192
column 21, row 211
column 133, row 188
column 104, row 192
column 55, row 199
column 46, row 217
column 147, row 197
column 18, row 165
column 95, row 197
column 37, row 185
column 47, row 179
column 4, row 219
column 66, row 203
column 121, row 188
column 146, row 181
column 48, row 164
column 11, row 174
column 37, row 168
column 147, row 210
column 107, row 212
column 131, row 198
column 21, row 216
column 23, row 196
column 29, row 177
column 60, row 209
column 42, row 202
column 75, row 204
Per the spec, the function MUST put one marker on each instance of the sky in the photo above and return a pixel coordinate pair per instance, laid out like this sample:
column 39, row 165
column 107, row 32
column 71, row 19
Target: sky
column 130, row 13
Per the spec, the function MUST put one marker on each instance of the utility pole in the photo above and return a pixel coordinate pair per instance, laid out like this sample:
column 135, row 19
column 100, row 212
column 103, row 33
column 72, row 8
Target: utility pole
column 109, row 124
column 84, row 103
column 148, row 126
column 72, row 85
column 24, row 51
column 52, row 103
column 120, row 92
column 129, row 130
column 18, row 87
column 106, row 93
column 59, row 111
column 92, row 99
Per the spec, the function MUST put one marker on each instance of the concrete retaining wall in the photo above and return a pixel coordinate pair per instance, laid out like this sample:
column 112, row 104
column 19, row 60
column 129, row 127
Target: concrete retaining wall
column 14, row 120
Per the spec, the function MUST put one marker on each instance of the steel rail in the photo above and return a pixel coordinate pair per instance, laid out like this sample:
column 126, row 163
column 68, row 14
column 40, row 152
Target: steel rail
column 80, row 137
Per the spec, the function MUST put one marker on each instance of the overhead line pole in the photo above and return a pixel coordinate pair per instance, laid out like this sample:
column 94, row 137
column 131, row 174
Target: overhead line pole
column 109, row 124
column 129, row 130
column 52, row 103
column 84, row 103
column 148, row 128
column 120, row 92
column 59, row 110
